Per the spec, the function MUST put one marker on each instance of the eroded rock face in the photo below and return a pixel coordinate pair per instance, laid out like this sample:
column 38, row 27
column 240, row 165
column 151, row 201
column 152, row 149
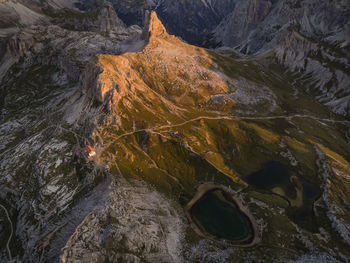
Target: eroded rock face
column 130, row 11
column 18, row 13
column 323, row 66
column 20, row 45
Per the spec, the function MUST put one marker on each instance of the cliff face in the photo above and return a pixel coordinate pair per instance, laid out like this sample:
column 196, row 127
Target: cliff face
column 20, row 45
column 323, row 67
column 18, row 13
column 131, row 11
column 66, row 39
column 257, row 22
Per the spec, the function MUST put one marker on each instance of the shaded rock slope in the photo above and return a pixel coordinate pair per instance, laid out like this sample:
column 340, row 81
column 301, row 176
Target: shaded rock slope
column 306, row 37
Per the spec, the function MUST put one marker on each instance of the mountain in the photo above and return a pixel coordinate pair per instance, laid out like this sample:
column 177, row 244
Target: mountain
column 307, row 38
column 171, row 123
column 227, row 113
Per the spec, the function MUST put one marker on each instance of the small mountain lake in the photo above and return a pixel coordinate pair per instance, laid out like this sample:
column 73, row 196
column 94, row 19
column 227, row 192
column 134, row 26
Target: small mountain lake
column 217, row 214
column 283, row 181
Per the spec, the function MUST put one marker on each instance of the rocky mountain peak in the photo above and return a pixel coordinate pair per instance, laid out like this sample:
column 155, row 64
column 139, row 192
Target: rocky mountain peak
column 154, row 28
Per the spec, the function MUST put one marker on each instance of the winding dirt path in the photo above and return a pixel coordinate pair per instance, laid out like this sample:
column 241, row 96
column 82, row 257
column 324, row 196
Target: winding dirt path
column 229, row 118
column 170, row 126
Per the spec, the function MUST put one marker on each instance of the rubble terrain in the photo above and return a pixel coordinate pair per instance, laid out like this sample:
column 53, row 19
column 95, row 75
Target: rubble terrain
column 164, row 117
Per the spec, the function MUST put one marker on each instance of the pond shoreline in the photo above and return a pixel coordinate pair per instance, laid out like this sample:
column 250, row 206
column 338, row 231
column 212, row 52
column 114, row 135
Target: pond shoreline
column 208, row 187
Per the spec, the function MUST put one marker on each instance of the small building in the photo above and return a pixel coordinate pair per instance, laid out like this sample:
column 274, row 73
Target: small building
column 86, row 153
column 174, row 134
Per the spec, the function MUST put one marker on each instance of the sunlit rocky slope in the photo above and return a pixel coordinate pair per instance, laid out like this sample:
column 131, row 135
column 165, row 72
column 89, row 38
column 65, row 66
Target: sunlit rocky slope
column 164, row 117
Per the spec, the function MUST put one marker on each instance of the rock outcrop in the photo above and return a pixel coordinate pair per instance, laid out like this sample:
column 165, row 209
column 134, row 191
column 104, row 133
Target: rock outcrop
column 39, row 60
column 130, row 11
column 19, row 14
column 20, row 45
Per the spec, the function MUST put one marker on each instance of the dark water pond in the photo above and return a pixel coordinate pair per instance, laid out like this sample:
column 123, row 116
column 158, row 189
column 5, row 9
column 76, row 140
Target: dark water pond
column 300, row 193
column 217, row 214
column 273, row 174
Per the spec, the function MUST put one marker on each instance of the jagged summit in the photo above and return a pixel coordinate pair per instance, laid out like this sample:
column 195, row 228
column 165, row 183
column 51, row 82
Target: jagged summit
column 155, row 26
column 154, row 29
